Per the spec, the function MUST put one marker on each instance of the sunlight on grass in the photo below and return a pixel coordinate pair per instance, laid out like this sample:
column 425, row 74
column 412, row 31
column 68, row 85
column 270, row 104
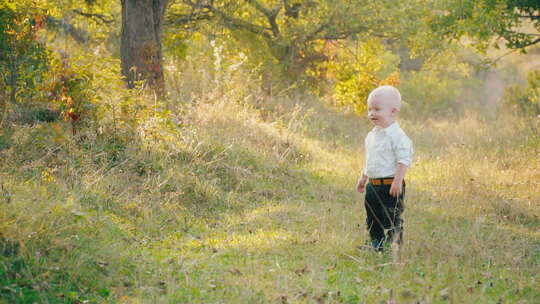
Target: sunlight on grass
column 252, row 241
column 240, row 209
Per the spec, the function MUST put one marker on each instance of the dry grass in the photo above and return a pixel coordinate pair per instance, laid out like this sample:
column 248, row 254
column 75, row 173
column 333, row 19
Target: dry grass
column 251, row 202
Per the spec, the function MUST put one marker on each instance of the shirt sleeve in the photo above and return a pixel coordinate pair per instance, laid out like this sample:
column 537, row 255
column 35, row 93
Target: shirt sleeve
column 404, row 150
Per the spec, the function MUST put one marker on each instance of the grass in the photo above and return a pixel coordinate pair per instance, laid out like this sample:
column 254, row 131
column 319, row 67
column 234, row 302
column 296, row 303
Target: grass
column 256, row 204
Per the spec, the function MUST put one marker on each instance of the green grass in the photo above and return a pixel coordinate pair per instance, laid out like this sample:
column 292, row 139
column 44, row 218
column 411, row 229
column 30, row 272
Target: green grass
column 251, row 205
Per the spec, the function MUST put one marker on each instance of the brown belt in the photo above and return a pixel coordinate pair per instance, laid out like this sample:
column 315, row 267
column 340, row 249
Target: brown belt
column 381, row 181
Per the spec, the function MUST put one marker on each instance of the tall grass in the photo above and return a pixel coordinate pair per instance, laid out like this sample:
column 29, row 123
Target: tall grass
column 238, row 197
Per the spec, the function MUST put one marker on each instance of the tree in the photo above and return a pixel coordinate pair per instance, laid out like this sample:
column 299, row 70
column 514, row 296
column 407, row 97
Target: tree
column 514, row 22
column 92, row 21
column 141, row 51
column 142, row 23
column 293, row 33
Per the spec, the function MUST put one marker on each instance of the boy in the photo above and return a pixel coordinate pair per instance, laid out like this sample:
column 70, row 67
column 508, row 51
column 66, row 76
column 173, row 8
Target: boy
column 388, row 155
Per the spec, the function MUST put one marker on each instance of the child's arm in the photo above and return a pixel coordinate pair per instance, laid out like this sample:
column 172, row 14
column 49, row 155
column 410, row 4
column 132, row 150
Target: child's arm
column 361, row 184
column 397, row 184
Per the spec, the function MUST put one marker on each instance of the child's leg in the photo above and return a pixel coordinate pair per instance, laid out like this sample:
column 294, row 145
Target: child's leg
column 395, row 232
column 384, row 214
column 375, row 229
column 395, row 207
column 376, row 219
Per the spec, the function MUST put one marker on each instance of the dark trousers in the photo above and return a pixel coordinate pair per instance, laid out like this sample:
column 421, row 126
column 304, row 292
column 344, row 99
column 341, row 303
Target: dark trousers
column 383, row 211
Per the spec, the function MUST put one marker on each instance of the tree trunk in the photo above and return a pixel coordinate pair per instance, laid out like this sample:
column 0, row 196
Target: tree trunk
column 140, row 51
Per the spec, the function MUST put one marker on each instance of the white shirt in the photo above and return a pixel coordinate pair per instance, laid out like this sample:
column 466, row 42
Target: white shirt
column 385, row 148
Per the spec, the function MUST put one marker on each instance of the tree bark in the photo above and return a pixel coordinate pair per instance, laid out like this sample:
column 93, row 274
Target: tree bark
column 140, row 51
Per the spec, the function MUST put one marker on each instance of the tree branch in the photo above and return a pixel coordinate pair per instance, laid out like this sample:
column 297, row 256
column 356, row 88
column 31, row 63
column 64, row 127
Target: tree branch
column 175, row 18
column 77, row 34
column 535, row 41
column 231, row 22
column 271, row 15
column 312, row 35
column 292, row 11
column 530, row 16
column 99, row 18
column 342, row 34
column 256, row 4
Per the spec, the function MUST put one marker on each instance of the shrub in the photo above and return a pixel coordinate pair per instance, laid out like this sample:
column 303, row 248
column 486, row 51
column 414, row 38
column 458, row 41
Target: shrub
column 357, row 72
column 23, row 59
column 523, row 100
column 439, row 87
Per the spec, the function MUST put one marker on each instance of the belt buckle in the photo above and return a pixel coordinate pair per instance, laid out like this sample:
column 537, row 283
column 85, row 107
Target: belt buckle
column 376, row 182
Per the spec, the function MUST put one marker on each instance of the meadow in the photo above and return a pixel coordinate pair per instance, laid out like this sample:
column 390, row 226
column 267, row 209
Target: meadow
column 249, row 199
column 207, row 151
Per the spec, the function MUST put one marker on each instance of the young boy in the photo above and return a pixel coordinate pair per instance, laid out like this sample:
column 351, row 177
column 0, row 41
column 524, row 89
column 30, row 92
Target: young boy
column 388, row 155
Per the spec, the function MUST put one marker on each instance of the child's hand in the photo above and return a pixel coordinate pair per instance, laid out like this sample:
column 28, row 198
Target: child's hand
column 396, row 187
column 361, row 184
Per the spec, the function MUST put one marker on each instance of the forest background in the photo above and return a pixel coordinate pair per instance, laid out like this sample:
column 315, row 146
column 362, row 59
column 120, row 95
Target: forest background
column 206, row 151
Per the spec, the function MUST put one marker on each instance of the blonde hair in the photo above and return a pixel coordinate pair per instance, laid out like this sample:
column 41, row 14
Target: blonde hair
column 388, row 93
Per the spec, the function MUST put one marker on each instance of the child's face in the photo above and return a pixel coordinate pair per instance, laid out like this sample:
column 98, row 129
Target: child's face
column 381, row 111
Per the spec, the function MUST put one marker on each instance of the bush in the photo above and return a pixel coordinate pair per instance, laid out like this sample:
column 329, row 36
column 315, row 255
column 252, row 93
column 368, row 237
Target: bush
column 39, row 83
column 523, row 100
column 360, row 71
column 23, row 59
column 438, row 86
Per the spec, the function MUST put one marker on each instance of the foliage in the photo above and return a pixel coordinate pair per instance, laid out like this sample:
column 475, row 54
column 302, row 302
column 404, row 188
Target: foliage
column 502, row 20
column 438, row 87
column 23, row 58
column 288, row 35
column 360, row 69
column 523, row 100
column 174, row 44
column 95, row 21
column 72, row 89
column 53, row 79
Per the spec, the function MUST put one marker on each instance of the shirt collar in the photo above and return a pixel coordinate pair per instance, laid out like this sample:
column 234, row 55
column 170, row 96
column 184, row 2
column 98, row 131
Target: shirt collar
column 393, row 127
